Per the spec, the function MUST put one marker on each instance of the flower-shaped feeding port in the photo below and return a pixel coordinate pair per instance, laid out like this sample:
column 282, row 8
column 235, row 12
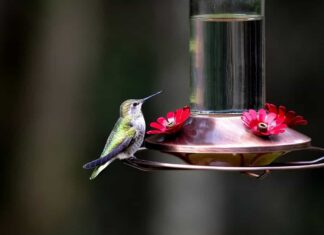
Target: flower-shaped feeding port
column 291, row 118
column 173, row 122
column 262, row 123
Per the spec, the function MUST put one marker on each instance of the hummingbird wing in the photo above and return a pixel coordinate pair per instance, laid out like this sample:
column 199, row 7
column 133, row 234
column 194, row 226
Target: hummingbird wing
column 102, row 160
column 119, row 139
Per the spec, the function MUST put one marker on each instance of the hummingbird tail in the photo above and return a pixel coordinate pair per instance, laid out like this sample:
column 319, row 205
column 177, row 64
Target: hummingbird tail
column 97, row 162
column 97, row 171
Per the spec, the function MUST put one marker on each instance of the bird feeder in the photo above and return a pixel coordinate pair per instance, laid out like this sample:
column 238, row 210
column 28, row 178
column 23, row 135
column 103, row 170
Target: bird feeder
column 227, row 50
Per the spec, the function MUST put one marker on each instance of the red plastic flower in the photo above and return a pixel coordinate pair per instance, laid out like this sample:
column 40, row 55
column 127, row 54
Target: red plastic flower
column 290, row 117
column 173, row 122
column 263, row 124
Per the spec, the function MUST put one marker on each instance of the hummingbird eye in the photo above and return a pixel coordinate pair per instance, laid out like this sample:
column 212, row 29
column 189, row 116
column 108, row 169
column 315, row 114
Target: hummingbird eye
column 135, row 104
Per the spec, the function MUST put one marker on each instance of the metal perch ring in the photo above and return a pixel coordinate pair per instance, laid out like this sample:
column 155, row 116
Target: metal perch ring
column 146, row 165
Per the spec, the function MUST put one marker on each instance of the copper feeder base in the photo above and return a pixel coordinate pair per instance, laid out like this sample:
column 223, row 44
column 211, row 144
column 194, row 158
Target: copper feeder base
column 221, row 143
column 222, row 140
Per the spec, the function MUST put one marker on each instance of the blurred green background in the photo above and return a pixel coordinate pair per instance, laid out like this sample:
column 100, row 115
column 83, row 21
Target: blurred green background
column 65, row 67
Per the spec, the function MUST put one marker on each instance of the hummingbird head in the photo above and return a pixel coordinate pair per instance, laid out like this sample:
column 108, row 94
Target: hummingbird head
column 133, row 107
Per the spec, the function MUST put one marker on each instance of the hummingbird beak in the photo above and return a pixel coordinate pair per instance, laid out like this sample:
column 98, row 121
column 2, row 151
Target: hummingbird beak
column 146, row 98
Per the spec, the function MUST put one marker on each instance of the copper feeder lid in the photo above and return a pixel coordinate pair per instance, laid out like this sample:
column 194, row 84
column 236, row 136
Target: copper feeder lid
column 222, row 133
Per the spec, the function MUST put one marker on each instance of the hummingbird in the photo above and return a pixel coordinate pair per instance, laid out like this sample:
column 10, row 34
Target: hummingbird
column 126, row 137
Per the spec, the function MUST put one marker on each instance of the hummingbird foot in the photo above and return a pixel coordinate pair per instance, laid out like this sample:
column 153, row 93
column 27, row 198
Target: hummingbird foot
column 132, row 157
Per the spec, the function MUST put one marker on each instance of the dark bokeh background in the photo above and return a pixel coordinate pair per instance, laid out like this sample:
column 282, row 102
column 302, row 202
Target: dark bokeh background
column 65, row 66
